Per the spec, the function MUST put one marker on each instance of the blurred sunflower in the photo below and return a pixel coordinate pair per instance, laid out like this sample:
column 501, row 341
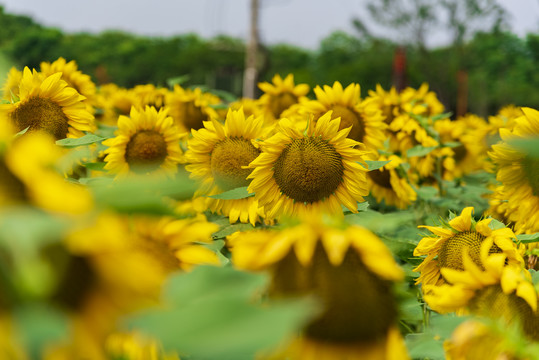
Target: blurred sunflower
column 10, row 89
column 387, row 101
column 280, row 95
column 116, row 101
column 421, row 101
column 190, row 108
column 35, row 156
column 518, row 172
column 389, row 185
column 135, row 346
column 303, row 172
column 364, row 117
column 73, row 76
column 349, row 269
column 445, row 249
column 218, row 154
column 497, row 288
column 146, row 142
column 151, row 95
column 49, row 104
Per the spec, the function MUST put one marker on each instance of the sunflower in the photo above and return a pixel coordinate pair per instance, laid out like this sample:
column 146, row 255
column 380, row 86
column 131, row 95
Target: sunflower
column 10, row 89
column 116, row 101
column 35, row 156
column 136, row 346
column 348, row 268
column 145, row 142
column 421, row 101
column 190, row 108
column 299, row 173
column 72, row 75
column 281, row 95
column 218, row 154
column 364, row 117
column 517, row 171
column 150, row 95
column 387, row 101
column 445, row 248
column 390, row 185
column 497, row 289
column 48, row 104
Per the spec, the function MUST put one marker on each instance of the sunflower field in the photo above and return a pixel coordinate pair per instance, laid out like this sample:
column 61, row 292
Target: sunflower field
column 340, row 223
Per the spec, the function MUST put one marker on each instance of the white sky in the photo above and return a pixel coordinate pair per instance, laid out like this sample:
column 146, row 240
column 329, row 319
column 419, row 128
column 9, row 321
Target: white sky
column 299, row 22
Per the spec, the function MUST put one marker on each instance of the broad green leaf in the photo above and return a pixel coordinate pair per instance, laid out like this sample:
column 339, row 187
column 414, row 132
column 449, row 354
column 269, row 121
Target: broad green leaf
column 96, row 166
column 210, row 313
column 530, row 145
column 85, row 140
column 419, row 150
column 452, row 144
column 374, row 165
column 495, row 224
column 178, row 80
column 234, row 194
column 40, row 325
column 427, row 192
column 441, row 116
column 380, row 223
column 231, row 229
column 528, row 238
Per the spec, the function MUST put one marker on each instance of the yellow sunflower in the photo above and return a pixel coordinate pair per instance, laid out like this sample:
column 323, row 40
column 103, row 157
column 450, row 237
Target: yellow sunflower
column 364, row 117
column 496, row 289
column 73, row 76
column 190, row 108
column 389, row 185
column 387, row 101
column 348, row 268
column 35, row 156
column 116, row 101
column 303, row 172
column 10, row 90
column 136, row 346
column 517, row 171
column 218, row 154
column 281, row 95
column 151, row 95
column 421, row 101
column 48, row 104
column 445, row 248
column 146, row 142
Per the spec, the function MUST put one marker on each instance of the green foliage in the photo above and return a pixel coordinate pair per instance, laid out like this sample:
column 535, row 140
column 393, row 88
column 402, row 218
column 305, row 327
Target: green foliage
column 374, row 165
column 84, row 140
column 213, row 313
column 234, row 194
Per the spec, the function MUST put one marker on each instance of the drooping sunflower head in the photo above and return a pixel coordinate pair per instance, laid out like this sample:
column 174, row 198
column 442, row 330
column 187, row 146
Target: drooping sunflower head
column 350, row 269
column 218, row 156
column 73, row 76
column 301, row 172
column 519, row 172
column 389, row 183
column 363, row 117
column 190, row 108
column 146, row 142
column 10, row 89
column 48, row 104
column 462, row 233
column 280, row 95
column 497, row 288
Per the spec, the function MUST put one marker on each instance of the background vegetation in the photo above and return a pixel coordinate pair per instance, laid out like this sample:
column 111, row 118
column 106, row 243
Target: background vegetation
column 501, row 67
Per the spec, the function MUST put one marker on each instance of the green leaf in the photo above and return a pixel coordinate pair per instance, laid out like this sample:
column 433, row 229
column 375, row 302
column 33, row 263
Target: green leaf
column 374, row 165
column 528, row 145
column 419, row 150
column 380, row 223
column 96, row 166
column 528, row 238
column 427, row 192
column 85, row 140
column 39, row 326
column 234, row 194
column 231, row 229
column 495, row 224
column 178, row 80
column 210, row 314
column 441, row 116
column 452, row 144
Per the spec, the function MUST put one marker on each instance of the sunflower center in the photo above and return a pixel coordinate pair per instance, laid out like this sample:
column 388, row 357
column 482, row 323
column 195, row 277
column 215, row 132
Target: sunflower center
column 281, row 102
column 460, row 153
column 493, row 302
column 193, row 116
column 357, row 305
column 531, row 169
column 308, row 170
column 227, row 158
column 381, row 178
column 146, row 151
column 41, row 114
column 451, row 251
column 350, row 118
column 160, row 251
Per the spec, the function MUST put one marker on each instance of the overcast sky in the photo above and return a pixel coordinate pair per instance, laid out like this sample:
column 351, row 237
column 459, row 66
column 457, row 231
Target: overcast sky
column 299, row 22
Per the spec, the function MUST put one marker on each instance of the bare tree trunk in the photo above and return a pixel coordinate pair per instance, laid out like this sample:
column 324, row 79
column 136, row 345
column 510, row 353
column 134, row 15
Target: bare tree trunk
column 251, row 71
